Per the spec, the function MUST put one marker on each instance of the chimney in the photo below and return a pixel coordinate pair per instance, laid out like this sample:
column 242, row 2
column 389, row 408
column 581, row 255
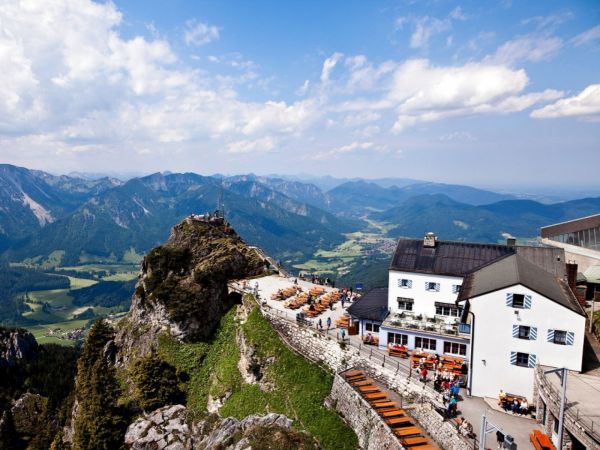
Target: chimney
column 572, row 276
column 511, row 242
column 429, row 240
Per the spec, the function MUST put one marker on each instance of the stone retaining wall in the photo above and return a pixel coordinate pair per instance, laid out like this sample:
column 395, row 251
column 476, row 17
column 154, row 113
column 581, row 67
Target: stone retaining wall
column 326, row 350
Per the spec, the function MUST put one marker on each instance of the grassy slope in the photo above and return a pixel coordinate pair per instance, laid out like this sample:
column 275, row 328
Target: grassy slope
column 300, row 387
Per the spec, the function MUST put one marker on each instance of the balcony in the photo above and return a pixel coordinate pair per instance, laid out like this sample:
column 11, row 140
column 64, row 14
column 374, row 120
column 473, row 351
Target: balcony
column 434, row 325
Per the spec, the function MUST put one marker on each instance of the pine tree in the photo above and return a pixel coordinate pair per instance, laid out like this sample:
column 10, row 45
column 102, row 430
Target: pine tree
column 100, row 423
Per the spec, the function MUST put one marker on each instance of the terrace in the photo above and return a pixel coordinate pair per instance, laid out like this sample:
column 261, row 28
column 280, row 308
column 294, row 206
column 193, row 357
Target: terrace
column 432, row 325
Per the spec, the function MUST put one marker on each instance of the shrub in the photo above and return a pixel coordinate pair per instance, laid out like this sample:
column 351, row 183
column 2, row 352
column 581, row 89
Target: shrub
column 157, row 383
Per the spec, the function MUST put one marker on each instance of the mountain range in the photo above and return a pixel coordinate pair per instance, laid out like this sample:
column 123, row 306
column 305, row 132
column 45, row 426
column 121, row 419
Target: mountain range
column 68, row 219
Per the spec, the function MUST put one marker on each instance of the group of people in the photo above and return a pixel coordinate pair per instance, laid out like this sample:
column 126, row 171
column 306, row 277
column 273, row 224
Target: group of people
column 314, row 279
column 518, row 406
column 465, row 428
column 320, row 324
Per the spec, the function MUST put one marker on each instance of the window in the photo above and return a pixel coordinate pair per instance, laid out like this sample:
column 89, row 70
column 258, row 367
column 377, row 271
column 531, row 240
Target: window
column 405, row 283
column 395, row 338
column 446, row 309
column 524, row 332
column 523, row 359
column 518, row 301
column 456, row 288
column 431, row 286
column 455, row 349
column 425, row 343
column 372, row 327
column 405, row 304
column 560, row 337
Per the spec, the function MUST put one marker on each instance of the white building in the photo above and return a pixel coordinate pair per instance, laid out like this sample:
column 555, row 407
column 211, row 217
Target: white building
column 520, row 315
column 425, row 277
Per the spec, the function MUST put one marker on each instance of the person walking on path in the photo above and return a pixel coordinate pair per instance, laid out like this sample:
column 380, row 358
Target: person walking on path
column 320, row 324
column 328, row 323
column 343, row 334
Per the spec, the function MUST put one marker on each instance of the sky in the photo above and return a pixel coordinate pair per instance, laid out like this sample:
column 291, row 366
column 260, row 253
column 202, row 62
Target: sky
column 481, row 93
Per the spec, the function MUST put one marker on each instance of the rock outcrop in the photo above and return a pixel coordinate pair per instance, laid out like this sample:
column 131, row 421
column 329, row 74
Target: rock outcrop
column 16, row 344
column 167, row 428
column 183, row 288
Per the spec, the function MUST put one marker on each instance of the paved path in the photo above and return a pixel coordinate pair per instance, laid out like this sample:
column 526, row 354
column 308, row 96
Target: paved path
column 472, row 408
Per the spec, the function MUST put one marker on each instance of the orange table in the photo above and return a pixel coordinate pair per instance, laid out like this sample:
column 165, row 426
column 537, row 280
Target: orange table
column 392, row 413
column 414, row 441
column 361, row 382
column 370, row 388
column 397, row 420
column 375, row 396
column 384, row 404
column 407, row 431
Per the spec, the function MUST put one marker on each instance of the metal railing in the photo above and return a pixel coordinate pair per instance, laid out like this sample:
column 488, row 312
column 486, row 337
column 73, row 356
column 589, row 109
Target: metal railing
column 588, row 426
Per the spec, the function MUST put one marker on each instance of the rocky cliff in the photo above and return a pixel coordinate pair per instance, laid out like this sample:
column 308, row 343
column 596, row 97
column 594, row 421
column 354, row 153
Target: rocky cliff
column 182, row 289
column 15, row 345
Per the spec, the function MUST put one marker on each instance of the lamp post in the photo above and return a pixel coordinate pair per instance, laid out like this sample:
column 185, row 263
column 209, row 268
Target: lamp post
column 562, row 374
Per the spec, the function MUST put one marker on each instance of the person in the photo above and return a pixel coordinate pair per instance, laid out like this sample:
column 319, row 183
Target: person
column 343, row 300
column 328, row 323
column 455, row 389
column 343, row 333
column 524, row 407
column 452, row 407
column 311, row 307
column 501, row 397
column 515, row 406
column 424, row 374
column 320, row 324
column 331, row 306
column 369, row 338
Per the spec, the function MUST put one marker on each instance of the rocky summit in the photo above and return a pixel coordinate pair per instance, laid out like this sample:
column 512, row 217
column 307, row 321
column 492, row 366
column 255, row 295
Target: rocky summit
column 183, row 284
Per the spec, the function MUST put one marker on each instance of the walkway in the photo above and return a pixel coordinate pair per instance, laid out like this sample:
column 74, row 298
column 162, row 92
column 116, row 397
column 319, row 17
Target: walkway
column 472, row 408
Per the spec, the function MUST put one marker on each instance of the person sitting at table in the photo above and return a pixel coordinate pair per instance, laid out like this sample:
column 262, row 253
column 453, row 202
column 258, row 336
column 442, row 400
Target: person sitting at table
column 369, row 338
column 515, row 406
column 524, row 407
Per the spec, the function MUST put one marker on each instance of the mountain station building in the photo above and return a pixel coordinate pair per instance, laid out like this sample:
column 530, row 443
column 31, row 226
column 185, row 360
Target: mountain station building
column 503, row 309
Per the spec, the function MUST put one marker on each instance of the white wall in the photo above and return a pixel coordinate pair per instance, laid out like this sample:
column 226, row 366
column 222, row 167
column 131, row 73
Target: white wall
column 424, row 300
column 493, row 341
column 412, row 334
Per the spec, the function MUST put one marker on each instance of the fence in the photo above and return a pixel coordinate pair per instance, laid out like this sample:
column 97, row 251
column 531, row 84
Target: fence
column 572, row 414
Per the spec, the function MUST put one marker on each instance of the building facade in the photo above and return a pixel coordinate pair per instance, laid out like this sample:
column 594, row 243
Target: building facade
column 520, row 316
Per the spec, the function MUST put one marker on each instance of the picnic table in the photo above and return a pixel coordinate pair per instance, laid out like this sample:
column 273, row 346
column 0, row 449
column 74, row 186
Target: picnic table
column 392, row 413
column 375, row 396
column 368, row 388
column 398, row 420
column 394, row 350
column 384, row 404
column 407, row 431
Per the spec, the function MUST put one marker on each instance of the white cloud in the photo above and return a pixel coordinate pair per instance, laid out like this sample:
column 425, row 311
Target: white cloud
column 587, row 36
column 458, row 136
column 586, row 103
column 261, row 145
column 527, row 48
column 353, row 147
column 200, row 33
column 425, row 28
column 328, row 65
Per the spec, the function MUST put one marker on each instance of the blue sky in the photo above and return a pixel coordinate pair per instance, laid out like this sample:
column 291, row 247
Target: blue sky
column 484, row 93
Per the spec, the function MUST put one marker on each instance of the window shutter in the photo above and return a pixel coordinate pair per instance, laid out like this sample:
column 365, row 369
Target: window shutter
column 410, row 283
column 570, row 338
column 509, row 298
column 513, row 358
column 527, row 302
column 437, row 287
column 515, row 331
column 550, row 335
column 532, row 333
column 531, row 362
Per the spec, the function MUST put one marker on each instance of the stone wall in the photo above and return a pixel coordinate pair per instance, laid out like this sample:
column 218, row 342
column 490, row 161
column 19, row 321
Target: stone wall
column 372, row 432
column 443, row 432
column 327, row 351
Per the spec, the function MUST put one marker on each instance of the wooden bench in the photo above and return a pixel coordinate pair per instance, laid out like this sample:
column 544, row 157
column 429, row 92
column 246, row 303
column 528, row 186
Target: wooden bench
column 375, row 396
column 414, row 441
column 392, row 413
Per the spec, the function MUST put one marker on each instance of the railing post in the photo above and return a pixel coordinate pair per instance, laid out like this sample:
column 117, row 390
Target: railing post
column 383, row 364
column 371, row 354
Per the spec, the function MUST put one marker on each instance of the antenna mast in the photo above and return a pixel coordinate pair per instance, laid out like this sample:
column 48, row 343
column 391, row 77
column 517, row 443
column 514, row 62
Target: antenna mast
column 220, row 205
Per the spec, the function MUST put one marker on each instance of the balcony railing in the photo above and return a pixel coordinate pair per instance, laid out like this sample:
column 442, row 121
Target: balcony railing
column 429, row 325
